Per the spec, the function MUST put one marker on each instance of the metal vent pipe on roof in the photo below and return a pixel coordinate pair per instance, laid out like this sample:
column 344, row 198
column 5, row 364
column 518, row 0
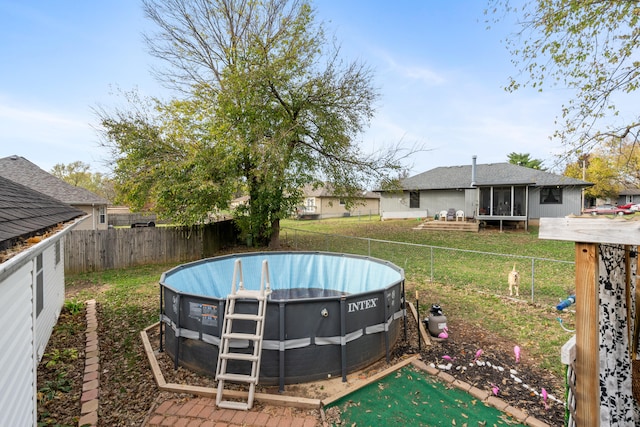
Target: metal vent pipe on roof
column 473, row 171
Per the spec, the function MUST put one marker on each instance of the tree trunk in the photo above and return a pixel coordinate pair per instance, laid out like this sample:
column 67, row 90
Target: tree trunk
column 274, row 241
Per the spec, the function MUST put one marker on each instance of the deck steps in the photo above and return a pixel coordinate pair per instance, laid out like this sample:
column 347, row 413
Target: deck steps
column 469, row 226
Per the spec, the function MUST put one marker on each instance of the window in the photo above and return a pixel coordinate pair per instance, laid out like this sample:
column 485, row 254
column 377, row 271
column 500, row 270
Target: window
column 57, row 252
column 102, row 214
column 310, row 205
column 414, row 199
column 39, row 285
column 550, row 195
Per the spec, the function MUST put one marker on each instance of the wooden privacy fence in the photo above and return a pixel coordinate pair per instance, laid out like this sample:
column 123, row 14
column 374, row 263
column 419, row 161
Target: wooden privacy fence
column 96, row 250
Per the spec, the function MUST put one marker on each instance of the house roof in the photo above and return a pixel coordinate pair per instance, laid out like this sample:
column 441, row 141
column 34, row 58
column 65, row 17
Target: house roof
column 630, row 192
column 25, row 212
column 453, row 177
column 20, row 170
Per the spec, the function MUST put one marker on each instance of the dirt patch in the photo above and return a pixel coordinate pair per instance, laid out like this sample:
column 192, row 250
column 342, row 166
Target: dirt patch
column 61, row 371
column 519, row 384
column 128, row 390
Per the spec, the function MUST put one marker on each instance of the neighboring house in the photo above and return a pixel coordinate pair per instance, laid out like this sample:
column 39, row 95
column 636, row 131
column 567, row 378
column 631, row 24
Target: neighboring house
column 239, row 201
column 20, row 170
column 322, row 203
column 486, row 192
column 32, row 226
column 628, row 195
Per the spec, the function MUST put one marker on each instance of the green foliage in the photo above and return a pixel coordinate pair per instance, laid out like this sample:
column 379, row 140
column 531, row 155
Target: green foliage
column 61, row 384
column 589, row 47
column 268, row 107
column 74, row 306
column 524, row 159
column 78, row 174
column 599, row 169
column 58, row 356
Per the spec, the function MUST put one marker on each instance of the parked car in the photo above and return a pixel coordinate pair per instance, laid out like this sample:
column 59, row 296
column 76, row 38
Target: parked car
column 626, row 206
column 635, row 208
column 608, row 210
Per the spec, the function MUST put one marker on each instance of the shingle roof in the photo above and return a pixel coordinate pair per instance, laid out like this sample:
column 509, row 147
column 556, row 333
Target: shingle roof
column 452, row 177
column 25, row 212
column 20, row 170
column 630, row 192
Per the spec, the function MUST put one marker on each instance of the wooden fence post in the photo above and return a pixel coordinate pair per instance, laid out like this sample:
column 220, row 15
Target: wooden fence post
column 587, row 362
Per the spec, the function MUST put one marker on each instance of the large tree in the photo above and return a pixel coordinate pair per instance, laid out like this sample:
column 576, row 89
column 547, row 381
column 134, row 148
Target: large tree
column 266, row 106
column 599, row 169
column 589, row 47
column 612, row 167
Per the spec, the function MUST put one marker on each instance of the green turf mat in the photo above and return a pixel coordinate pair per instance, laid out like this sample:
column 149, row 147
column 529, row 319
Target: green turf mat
column 409, row 397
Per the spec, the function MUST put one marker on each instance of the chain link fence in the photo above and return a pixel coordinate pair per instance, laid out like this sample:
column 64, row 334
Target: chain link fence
column 542, row 281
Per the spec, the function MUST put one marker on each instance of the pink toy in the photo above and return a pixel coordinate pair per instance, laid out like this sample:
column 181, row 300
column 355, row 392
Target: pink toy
column 516, row 350
column 478, row 354
column 448, row 358
column 444, row 334
column 544, row 398
column 495, row 389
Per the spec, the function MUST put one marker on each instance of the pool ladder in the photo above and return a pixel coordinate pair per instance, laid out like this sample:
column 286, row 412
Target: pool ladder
column 238, row 292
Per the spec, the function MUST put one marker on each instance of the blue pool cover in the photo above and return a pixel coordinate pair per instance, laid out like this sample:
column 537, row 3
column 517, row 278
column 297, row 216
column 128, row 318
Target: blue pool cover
column 321, row 274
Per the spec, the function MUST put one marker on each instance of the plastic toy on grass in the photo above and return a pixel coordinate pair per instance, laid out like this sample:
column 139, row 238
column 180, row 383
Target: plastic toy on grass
column 566, row 303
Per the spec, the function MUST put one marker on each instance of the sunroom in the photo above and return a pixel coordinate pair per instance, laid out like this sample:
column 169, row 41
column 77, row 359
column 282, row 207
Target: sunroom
column 503, row 203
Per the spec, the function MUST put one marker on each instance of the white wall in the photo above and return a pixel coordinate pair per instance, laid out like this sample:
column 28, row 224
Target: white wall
column 24, row 335
column 17, row 358
column 53, row 297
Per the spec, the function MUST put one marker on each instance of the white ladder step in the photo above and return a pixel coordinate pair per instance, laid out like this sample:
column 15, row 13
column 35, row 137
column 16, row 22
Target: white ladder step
column 239, row 336
column 246, row 293
column 240, row 378
column 243, row 316
column 230, row 404
column 240, row 356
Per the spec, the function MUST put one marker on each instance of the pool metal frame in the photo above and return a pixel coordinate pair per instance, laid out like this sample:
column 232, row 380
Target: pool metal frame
column 192, row 325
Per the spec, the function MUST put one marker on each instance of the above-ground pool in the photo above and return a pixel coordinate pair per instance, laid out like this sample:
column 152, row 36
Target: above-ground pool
column 328, row 314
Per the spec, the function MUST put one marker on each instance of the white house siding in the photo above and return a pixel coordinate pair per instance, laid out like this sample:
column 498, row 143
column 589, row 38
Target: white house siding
column 441, row 200
column 395, row 205
column 53, row 296
column 330, row 207
column 571, row 202
column 470, row 202
column 17, row 358
column 98, row 219
column 24, row 335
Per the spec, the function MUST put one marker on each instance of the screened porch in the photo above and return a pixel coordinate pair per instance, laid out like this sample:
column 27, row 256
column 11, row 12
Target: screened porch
column 503, row 204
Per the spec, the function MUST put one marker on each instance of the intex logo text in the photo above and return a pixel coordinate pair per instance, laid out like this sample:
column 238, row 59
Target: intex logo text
column 362, row 305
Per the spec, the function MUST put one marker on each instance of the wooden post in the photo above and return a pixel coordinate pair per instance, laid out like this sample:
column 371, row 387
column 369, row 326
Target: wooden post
column 591, row 233
column 587, row 362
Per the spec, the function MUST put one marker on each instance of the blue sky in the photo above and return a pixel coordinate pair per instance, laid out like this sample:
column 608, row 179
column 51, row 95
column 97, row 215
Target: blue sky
column 439, row 71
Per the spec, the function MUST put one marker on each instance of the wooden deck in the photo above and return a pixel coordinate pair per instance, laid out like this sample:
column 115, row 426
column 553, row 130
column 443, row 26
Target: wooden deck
column 430, row 224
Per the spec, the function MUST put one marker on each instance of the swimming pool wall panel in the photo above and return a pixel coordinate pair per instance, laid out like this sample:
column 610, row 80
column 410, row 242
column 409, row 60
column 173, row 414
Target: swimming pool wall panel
column 304, row 339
